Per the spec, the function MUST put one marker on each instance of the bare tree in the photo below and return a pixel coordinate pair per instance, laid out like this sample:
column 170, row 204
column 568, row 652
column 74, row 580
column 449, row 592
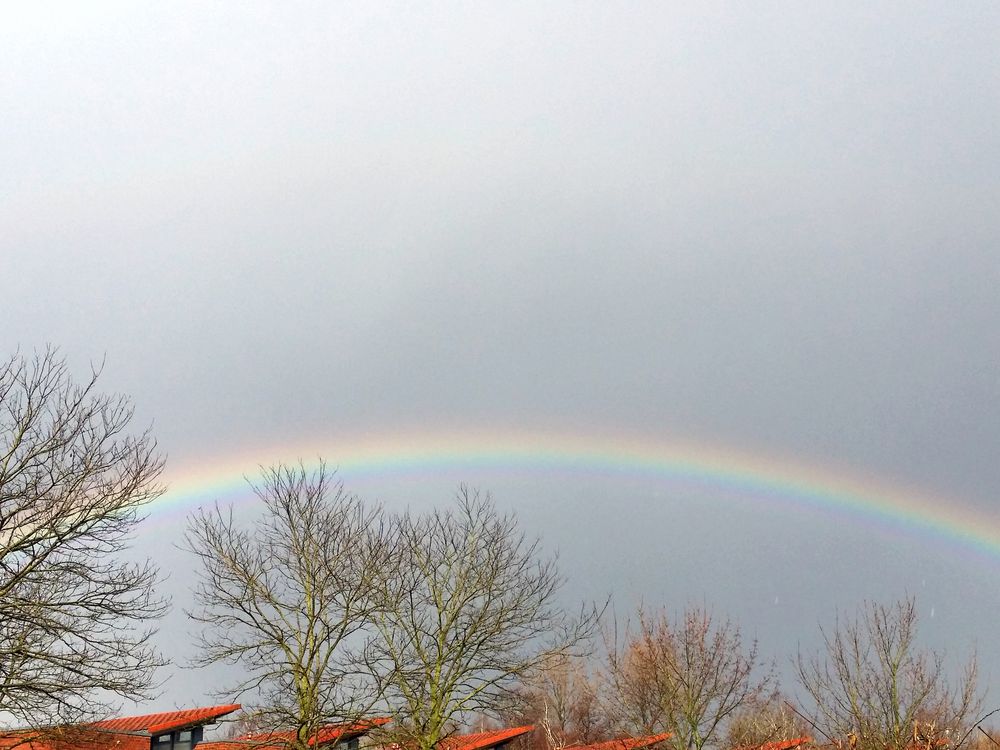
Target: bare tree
column 564, row 702
column 73, row 481
column 246, row 724
column 467, row 611
column 687, row 678
column 766, row 719
column 874, row 689
column 287, row 599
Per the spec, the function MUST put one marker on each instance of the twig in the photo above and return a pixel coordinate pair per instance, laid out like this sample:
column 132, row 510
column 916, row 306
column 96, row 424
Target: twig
column 810, row 721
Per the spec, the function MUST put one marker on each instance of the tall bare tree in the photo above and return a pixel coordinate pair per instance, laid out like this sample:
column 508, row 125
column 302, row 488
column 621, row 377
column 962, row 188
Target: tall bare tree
column 686, row 677
column 467, row 611
column 875, row 689
column 287, row 598
column 74, row 617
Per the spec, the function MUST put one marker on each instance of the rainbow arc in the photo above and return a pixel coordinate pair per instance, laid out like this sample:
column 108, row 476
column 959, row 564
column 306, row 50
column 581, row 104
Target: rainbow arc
column 765, row 479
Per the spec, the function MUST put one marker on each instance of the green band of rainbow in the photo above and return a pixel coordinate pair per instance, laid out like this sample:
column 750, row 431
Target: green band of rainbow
column 765, row 479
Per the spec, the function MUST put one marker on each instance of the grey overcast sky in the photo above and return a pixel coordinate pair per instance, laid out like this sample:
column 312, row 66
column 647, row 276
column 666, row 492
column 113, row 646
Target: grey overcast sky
column 770, row 228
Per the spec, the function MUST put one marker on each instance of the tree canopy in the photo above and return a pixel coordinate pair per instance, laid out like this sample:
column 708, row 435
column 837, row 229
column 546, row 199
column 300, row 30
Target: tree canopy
column 74, row 615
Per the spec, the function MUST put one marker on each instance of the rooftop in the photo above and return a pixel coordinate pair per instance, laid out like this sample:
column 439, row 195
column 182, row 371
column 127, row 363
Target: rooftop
column 327, row 735
column 627, row 743
column 483, row 740
column 167, row 721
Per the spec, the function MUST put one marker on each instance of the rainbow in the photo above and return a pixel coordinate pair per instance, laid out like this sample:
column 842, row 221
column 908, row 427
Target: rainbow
column 676, row 464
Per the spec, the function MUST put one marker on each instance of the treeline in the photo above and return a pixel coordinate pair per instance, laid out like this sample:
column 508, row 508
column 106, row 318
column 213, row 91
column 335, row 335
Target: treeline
column 331, row 609
column 693, row 676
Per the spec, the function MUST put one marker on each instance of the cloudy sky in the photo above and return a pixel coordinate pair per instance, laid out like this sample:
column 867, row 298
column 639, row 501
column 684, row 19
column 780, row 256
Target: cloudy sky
column 769, row 232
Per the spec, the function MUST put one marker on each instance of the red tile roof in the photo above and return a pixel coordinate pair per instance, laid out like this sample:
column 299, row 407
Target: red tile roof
column 72, row 738
column 785, row 744
column 483, row 740
column 167, row 721
column 626, row 743
column 327, row 735
column 125, row 733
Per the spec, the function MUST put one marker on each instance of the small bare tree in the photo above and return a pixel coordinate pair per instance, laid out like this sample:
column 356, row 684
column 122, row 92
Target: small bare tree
column 467, row 611
column 73, row 481
column 874, row 689
column 564, row 702
column 288, row 597
column 769, row 719
column 687, row 678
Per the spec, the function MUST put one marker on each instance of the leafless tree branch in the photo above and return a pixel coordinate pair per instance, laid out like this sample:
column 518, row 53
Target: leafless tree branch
column 687, row 677
column 288, row 597
column 73, row 481
column 873, row 687
column 466, row 611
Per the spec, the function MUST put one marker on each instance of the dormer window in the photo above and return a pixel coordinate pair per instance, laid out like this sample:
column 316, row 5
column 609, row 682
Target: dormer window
column 184, row 739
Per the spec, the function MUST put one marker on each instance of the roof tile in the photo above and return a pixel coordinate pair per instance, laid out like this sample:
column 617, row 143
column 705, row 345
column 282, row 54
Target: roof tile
column 166, row 721
column 483, row 740
column 72, row 738
column 785, row 744
column 327, row 735
column 627, row 743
